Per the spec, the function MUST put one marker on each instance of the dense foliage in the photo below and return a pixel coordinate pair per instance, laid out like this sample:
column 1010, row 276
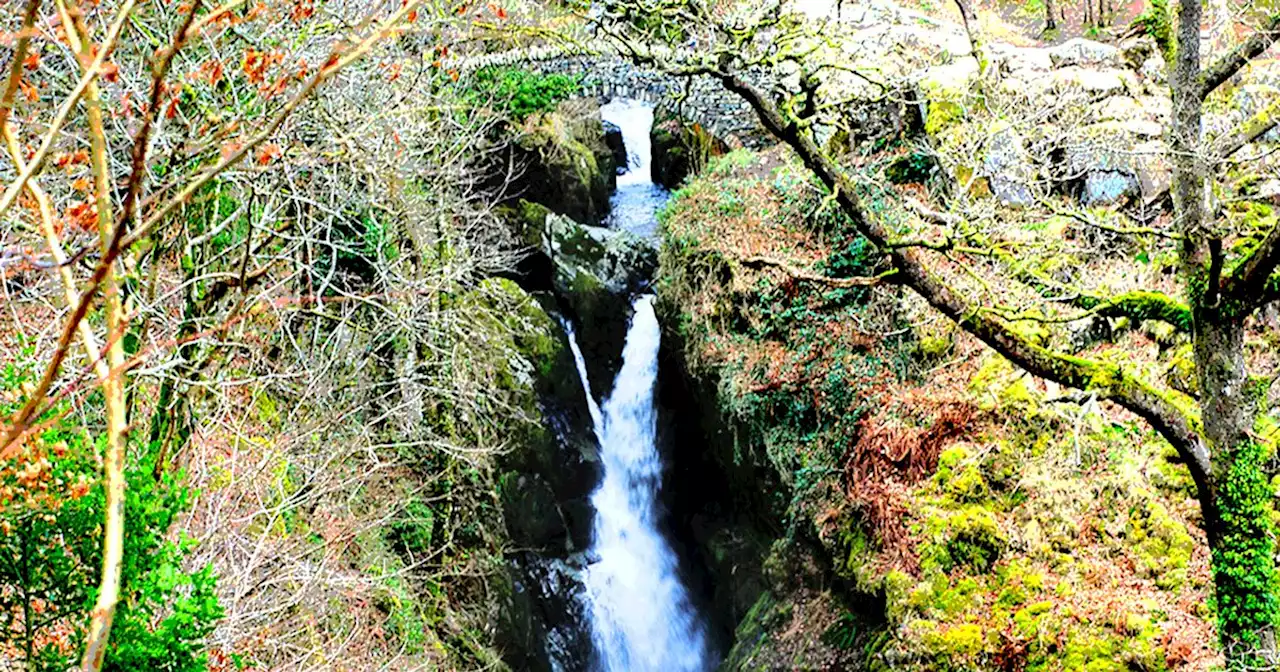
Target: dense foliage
column 519, row 92
column 51, row 505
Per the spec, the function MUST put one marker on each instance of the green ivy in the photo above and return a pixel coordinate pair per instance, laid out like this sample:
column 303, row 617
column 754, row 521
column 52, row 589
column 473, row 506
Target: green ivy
column 51, row 551
column 519, row 92
column 1243, row 567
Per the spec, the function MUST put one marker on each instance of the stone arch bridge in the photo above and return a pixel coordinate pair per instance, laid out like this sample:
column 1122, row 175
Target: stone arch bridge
column 605, row 75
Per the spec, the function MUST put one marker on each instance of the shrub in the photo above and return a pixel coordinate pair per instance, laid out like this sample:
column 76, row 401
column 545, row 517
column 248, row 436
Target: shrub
column 51, row 512
column 520, row 93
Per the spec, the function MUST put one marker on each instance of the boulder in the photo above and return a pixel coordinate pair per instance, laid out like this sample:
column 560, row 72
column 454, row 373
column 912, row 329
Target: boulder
column 595, row 270
column 1117, row 108
column 1246, row 101
column 618, row 261
column 679, row 148
column 1019, row 61
column 946, row 92
column 617, row 146
column 1007, row 166
column 568, row 165
column 1134, row 51
column 1118, row 160
column 1079, row 51
column 1103, row 82
column 1154, row 70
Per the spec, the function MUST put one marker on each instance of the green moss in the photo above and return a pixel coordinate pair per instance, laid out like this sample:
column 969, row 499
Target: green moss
column 1243, row 566
column 941, row 114
column 969, row 538
column 957, row 641
column 1142, row 305
column 1028, row 621
column 1160, row 543
column 959, row 476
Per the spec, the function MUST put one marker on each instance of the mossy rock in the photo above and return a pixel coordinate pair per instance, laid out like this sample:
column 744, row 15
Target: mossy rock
column 969, row 539
column 569, row 168
column 532, row 513
column 947, row 91
column 1160, row 543
column 679, row 149
column 959, row 475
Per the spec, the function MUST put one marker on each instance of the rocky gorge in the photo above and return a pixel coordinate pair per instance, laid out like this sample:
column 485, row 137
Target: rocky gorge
column 887, row 496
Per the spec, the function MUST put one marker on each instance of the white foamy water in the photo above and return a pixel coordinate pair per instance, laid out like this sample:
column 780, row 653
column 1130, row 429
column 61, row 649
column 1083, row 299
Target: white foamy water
column 634, row 206
column 641, row 617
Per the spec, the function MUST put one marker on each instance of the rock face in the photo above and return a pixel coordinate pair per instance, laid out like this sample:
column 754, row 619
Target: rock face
column 613, row 140
column 596, row 270
column 545, row 482
column 679, row 149
column 568, row 164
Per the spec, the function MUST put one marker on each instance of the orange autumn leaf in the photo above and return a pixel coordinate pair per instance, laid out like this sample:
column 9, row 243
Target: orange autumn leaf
column 31, row 93
column 110, row 72
column 277, row 88
column 32, row 61
column 268, row 153
column 83, row 215
column 302, row 9
column 228, row 149
column 81, row 184
column 256, row 63
column 211, row 72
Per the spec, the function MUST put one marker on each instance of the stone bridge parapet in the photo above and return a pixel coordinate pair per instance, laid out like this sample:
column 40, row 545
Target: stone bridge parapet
column 606, row 75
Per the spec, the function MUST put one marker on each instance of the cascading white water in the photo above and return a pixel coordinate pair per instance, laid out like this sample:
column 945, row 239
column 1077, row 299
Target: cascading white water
column 634, row 119
column 641, row 616
column 635, row 204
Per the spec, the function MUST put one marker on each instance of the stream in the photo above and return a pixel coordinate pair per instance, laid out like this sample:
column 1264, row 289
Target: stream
column 640, row 614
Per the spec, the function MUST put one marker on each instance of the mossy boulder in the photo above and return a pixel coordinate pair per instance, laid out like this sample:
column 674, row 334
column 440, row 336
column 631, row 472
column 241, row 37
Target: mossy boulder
column 969, row 539
column 679, row 149
column 595, row 271
column 568, row 165
column 617, row 145
column 947, row 93
column 1161, row 544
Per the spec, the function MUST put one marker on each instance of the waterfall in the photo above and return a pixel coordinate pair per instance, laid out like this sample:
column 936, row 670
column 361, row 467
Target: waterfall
column 634, row 119
column 641, row 617
column 634, row 206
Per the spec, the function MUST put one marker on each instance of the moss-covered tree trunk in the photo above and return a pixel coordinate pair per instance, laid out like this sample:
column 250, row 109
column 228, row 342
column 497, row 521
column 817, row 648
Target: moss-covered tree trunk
column 1234, row 497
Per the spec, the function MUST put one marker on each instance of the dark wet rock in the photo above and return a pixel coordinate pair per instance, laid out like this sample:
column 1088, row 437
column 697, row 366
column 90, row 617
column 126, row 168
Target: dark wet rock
column 614, row 141
column 680, row 149
column 567, row 164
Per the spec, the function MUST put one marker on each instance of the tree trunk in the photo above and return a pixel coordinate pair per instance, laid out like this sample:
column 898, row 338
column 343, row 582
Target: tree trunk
column 1235, row 497
column 1237, row 521
column 1049, row 22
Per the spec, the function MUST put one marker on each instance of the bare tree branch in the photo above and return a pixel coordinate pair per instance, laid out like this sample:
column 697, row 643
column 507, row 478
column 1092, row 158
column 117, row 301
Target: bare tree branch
column 1110, row 380
column 1226, row 67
